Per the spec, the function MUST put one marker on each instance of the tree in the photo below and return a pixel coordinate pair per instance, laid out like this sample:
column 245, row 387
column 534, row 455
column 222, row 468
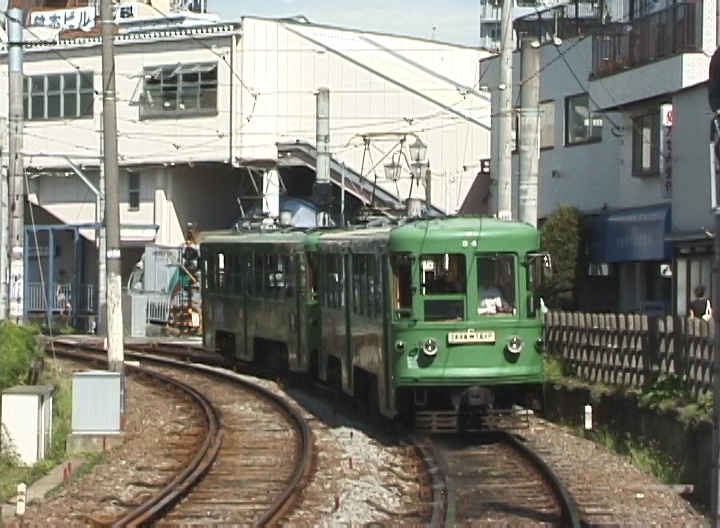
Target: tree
column 562, row 237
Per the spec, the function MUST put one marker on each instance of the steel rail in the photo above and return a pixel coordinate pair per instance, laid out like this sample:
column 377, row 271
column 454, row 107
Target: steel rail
column 568, row 506
column 153, row 509
column 443, row 500
column 282, row 504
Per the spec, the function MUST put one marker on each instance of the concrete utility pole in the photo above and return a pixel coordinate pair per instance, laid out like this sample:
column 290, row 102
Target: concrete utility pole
column 427, row 179
column 714, row 100
column 101, row 323
column 16, row 168
column 322, row 190
column 529, row 132
column 505, row 116
column 112, row 200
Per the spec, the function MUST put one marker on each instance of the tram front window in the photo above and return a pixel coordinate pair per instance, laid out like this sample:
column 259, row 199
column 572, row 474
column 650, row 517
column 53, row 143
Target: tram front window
column 496, row 285
column 444, row 285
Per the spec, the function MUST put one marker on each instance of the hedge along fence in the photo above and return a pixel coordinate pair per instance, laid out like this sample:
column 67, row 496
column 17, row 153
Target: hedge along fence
column 20, row 348
column 632, row 350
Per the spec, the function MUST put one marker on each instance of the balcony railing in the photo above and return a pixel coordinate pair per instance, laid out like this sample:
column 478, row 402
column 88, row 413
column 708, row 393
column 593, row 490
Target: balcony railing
column 670, row 32
column 564, row 21
column 61, row 297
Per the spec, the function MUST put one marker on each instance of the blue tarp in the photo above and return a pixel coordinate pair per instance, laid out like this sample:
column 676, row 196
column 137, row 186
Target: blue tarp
column 631, row 235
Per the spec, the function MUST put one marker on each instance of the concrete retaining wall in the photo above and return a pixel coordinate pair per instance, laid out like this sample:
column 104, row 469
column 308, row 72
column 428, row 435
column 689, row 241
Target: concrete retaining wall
column 689, row 446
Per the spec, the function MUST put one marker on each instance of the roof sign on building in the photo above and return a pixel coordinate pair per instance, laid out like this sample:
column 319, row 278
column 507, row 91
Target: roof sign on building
column 79, row 18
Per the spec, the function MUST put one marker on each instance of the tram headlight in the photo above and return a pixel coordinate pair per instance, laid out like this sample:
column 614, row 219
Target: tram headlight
column 515, row 345
column 430, row 347
column 400, row 346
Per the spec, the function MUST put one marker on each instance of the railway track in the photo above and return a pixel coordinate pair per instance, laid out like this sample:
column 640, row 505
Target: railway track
column 485, row 479
column 495, row 479
column 248, row 466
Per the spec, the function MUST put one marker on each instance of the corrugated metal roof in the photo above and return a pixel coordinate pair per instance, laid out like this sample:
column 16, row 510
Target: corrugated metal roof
column 377, row 53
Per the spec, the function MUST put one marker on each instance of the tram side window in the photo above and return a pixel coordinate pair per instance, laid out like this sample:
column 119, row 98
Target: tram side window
column 274, row 281
column 209, row 272
column 364, row 285
column 221, row 279
column 287, row 262
column 377, row 287
column 496, row 284
column 444, row 284
column 236, row 276
column 204, row 276
column 313, row 270
column 258, row 275
column 358, row 271
column 402, row 285
column 334, row 276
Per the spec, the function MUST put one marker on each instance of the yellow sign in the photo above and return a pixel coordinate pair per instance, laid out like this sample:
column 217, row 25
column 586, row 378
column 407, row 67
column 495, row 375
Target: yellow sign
column 471, row 337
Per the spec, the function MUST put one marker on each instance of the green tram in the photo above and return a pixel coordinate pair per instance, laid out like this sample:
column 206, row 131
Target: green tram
column 435, row 319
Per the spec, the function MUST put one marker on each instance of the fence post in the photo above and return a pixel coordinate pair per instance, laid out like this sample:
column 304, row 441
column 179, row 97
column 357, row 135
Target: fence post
column 652, row 347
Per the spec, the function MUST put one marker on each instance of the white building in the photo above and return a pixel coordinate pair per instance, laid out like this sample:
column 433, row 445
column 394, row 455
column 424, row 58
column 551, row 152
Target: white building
column 624, row 138
column 206, row 107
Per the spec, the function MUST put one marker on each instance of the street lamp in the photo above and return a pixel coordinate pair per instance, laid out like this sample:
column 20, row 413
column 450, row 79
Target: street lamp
column 419, row 167
column 392, row 170
column 417, row 151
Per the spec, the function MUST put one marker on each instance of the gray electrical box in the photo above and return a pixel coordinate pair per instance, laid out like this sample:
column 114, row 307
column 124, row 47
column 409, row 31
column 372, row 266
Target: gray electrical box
column 135, row 314
column 96, row 398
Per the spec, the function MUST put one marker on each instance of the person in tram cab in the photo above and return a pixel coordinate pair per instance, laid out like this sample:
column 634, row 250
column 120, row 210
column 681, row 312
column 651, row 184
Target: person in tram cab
column 490, row 296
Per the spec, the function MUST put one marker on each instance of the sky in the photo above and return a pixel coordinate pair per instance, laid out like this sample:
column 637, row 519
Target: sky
column 455, row 21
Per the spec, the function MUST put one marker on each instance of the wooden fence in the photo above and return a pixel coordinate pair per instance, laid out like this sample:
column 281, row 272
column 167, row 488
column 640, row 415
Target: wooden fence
column 631, row 350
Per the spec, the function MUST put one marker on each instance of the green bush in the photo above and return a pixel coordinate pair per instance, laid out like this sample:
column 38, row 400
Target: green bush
column 562, row 236
column 19, row 348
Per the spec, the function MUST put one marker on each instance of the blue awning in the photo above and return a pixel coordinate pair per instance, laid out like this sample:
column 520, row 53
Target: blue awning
column 631, row 235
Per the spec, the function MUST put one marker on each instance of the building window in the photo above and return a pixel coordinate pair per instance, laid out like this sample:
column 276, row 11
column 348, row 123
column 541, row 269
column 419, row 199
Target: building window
column 133, row 191
column 547, row 124
column 59, row 96
column 581, row 125
column 646, row 145
column 184, row 90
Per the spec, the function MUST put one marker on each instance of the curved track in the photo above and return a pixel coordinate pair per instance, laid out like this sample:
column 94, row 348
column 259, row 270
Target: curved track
column 495, row 478
column 242, row 477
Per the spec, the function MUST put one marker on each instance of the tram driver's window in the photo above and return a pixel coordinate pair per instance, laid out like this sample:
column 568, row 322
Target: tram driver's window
column 221, row 271
column 443, row 274
column 402, row 285
column 444, row 284
column 496, row 285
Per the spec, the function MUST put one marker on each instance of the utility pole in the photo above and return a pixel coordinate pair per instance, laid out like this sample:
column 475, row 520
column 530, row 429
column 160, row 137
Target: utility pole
column 714, row 100
column 101, row 323
column 529, row 132
column 113, row 316
column 16, row 168
column 4, row 228
column 504, row 135
column 342, row 195
column 427, row 178
column 322, row 190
